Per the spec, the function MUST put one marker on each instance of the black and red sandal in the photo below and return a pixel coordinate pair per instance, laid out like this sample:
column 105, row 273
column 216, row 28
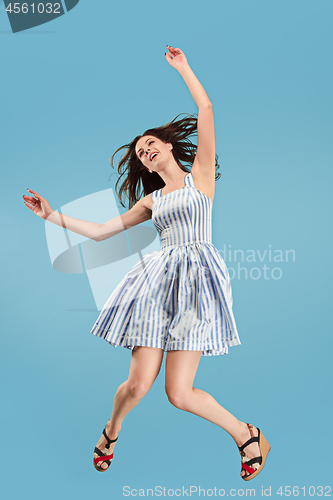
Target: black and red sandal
column 253, row 466
column 103, row 455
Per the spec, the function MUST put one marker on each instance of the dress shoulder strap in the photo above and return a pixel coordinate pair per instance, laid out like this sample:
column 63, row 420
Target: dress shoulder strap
column 189, row 181
column 156, row 194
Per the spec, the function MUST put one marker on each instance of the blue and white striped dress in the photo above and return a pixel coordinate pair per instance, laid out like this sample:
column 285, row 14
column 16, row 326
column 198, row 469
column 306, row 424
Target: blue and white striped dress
column 178, row 298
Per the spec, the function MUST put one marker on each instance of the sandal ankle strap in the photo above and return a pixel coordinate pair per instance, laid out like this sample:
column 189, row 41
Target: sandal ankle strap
column 109, row 441
column 253, row 439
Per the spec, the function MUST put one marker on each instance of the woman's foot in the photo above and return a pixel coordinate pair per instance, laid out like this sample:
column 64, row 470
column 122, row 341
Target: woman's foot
column 252, row 450
column 105, row 447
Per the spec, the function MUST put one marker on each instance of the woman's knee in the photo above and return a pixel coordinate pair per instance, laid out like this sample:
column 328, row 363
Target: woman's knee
column 177, row 397
column 138, row 389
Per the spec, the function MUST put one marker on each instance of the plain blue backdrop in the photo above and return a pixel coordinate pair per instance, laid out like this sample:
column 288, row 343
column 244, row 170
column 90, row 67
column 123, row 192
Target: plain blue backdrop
column 72, row 92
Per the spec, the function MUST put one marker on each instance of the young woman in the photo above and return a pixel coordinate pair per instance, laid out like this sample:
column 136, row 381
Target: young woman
column 176, row 300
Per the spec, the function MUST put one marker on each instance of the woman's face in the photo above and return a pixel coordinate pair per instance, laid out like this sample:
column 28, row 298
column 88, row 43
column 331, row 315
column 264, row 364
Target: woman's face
column 151, row 151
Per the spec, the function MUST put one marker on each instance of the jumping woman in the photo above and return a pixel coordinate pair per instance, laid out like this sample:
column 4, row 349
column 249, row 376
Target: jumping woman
column 177, row 299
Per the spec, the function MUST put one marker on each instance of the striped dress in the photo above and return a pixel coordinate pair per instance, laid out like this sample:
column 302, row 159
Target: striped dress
column 178, row 298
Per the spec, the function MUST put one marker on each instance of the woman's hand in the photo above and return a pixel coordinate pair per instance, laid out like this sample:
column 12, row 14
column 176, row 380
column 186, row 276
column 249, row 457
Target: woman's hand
column 176, row 58
column 93, row 230
column 39, row 205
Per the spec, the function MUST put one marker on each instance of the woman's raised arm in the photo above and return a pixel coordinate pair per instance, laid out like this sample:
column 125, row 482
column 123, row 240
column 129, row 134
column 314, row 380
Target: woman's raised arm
column 95, row 231
column 205, row 158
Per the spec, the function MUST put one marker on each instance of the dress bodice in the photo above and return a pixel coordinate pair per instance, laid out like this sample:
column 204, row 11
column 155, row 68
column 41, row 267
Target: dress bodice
column 183, row 216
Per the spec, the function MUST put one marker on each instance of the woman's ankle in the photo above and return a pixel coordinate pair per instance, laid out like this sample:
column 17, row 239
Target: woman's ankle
column 112, row 430
column 242, row 434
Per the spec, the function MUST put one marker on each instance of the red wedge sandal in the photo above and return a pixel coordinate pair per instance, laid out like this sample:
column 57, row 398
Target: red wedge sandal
column 253, row 466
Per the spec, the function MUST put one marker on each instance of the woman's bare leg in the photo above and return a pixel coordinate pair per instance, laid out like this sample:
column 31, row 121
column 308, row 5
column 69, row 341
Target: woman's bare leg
column 180, row 370
column 145, row 366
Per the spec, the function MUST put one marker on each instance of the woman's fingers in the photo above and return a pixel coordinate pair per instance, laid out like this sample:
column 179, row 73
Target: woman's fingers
column 30, row 202
column 174, row 51
column 30, row 199
column 171, row 50
column 34, row 204
column 176, row 57
column 36, row 195
column 27, row 205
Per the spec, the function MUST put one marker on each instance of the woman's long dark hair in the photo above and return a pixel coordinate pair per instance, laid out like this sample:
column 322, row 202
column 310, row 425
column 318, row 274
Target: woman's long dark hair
column 132, row 170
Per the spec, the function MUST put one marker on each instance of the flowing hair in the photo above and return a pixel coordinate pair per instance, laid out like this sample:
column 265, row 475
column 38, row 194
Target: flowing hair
column 135, row 179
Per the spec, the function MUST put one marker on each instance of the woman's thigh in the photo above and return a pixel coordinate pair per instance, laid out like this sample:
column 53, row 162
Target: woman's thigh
column 180, row 370
column 145, row 366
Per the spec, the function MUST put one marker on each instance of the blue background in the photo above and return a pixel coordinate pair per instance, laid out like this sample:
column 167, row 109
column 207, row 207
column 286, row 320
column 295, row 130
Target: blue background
column 72, row 92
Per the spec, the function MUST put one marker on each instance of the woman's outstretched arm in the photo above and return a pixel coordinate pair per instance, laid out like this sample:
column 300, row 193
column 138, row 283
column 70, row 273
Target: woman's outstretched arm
column 205, row 158
column 95, row 231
